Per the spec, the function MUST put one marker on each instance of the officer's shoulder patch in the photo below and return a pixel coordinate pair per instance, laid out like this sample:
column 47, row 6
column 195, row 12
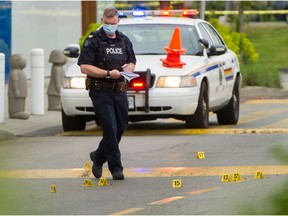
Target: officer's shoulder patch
column 87, row 43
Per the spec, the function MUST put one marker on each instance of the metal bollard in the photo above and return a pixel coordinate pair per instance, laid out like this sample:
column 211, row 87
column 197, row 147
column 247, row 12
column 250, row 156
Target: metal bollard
column 2, row 87
column 37, row 81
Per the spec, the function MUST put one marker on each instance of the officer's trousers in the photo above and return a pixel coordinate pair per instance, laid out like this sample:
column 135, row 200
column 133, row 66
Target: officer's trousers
column 112, row 110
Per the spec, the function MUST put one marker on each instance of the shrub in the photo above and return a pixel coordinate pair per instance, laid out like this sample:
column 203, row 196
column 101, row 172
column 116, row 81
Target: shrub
column 237, row 42
column 257, row 75
column 91, row 28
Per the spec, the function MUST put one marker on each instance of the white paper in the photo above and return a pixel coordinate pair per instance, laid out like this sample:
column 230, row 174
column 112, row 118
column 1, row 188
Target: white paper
column 129, row 75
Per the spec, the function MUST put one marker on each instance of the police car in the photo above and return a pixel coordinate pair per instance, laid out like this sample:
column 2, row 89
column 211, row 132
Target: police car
column 182, row 76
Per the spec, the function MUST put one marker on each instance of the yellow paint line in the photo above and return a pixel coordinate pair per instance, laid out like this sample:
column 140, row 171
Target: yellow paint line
column 167, row 200
column 128, row 211
column 42, row 173
column 267, row 101
column 200, row 191
column 147, row 172
column 187, row 131
column 50, row 173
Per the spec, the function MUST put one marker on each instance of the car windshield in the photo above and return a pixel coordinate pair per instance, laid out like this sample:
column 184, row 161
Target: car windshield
column 150, row 39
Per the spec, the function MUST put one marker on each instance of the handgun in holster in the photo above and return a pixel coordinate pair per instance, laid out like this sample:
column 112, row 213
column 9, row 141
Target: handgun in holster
column 88, row 83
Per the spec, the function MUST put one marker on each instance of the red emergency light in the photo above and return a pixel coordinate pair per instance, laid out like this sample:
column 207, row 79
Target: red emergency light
column 190, row 13
column 138, row 84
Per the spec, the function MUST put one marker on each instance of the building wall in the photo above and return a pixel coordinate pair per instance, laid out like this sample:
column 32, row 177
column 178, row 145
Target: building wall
column 44, row 24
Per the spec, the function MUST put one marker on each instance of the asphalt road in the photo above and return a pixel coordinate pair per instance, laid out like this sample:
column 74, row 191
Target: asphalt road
column 154, row 154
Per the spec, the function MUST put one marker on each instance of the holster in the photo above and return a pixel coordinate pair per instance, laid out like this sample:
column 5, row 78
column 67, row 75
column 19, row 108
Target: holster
column 92, row 84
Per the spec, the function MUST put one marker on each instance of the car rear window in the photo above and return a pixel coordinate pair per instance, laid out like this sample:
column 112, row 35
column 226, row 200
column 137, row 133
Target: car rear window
column 150, row 39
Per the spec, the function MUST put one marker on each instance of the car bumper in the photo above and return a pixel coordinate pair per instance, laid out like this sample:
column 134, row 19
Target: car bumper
column 76, row 102
column 182, row 101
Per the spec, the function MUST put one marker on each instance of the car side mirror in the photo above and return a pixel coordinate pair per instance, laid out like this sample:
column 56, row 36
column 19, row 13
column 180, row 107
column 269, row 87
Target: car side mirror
column 71, row 52
column 217, row 50
column 204, row 43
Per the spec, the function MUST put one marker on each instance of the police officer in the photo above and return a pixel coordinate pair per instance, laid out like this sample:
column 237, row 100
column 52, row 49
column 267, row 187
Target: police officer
column 105, row 53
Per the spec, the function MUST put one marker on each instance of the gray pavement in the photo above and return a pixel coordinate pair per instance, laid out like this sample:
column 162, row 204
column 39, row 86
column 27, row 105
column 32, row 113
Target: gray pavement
column 17, row 127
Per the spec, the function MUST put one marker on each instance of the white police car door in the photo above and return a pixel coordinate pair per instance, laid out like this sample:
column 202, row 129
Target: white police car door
column 216, row 73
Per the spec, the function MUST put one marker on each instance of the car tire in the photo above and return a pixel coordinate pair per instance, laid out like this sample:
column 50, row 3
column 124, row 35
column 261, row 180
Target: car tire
column 200, row 119
column 230, row 114
column 72, row 123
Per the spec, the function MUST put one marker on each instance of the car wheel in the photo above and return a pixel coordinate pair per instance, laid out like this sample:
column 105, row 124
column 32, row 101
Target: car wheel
column 230, row 114
column 72, row 123
column 200, row 119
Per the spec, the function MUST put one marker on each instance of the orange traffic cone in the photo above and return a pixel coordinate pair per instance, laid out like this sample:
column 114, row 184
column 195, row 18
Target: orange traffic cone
column 174, row 51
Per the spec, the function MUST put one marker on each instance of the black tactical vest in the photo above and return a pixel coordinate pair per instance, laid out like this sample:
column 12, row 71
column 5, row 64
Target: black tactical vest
column 112, row 52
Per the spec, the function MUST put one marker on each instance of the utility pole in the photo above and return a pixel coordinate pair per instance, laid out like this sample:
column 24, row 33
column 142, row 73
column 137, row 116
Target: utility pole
column 202, row 9
column 89, row 9
column 241, row 16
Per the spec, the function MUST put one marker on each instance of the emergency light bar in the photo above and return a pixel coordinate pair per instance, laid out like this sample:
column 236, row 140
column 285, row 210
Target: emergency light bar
column 166, row 13
column 144, row 13
column 138, row 13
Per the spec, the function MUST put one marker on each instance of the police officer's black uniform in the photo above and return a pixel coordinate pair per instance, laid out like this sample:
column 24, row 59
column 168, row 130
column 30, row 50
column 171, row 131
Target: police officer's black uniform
column 109, row 96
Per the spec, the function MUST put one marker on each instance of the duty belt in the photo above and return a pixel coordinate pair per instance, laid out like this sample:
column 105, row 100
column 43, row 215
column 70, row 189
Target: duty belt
column 98, row 84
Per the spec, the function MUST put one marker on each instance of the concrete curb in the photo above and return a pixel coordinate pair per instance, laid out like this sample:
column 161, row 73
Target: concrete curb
column 258, row 92
column 4, row 135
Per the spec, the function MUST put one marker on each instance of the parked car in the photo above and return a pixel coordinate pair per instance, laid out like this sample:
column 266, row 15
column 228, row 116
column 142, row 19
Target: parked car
column 209, row 79
column 281, row 5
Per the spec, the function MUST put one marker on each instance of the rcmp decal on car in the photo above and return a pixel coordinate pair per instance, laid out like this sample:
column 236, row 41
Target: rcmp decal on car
column 228, row 74
column 204, row 69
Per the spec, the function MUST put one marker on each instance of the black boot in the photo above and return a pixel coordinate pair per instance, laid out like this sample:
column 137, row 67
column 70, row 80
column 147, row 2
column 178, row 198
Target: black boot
column 97, row 167
column 118, row 175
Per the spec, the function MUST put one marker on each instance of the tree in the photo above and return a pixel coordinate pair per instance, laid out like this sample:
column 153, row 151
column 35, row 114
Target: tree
column 241, row 6
column 88, row 14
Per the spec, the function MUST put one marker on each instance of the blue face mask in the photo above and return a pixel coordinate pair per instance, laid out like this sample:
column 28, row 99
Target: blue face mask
column 109, row 29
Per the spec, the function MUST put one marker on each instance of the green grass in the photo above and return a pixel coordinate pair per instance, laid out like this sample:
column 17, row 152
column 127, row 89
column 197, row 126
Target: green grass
column 271, row 42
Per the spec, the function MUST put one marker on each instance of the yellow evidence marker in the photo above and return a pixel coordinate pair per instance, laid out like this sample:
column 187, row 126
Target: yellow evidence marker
column 53, row 189
column 200, row 155
column 103, row 182
column 177, row 183
column 237, row 177
column 87, row 183
column 226, row 178
column 87, row 166
column 259, row 175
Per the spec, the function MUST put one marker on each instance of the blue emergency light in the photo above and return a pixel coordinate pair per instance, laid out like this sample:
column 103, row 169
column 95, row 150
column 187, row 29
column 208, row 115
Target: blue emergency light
column 138, row 13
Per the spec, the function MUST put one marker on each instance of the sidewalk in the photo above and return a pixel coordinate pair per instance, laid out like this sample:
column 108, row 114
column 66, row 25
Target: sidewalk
column 16, row 127
column 258, row 92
